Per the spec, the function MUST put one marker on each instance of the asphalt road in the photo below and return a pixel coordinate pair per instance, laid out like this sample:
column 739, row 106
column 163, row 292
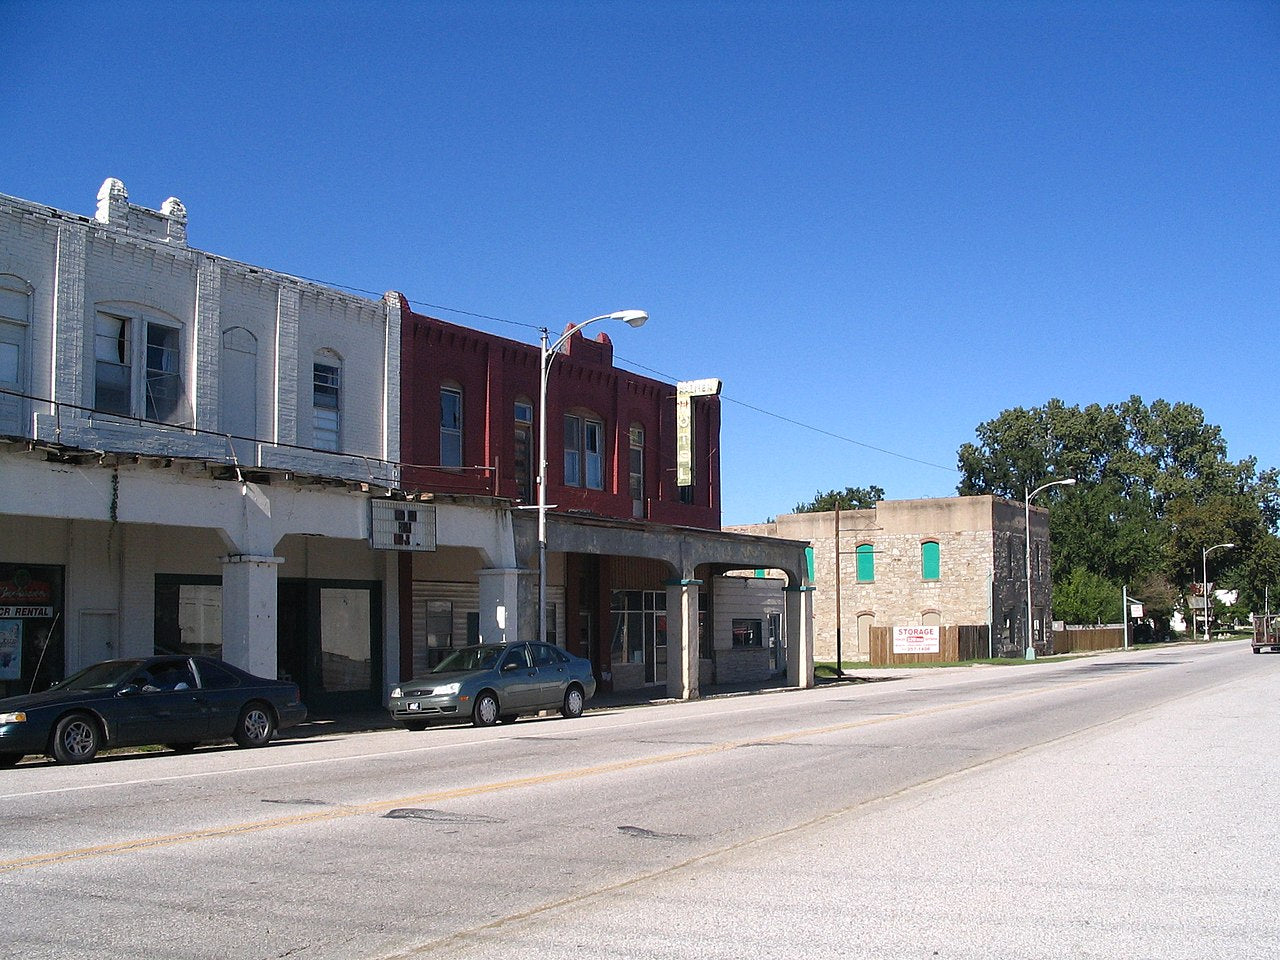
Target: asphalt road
column 1114, row 806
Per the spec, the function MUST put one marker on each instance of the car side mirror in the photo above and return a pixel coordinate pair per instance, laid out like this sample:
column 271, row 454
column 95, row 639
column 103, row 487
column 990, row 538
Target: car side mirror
column 510, row 667
column 128, row 690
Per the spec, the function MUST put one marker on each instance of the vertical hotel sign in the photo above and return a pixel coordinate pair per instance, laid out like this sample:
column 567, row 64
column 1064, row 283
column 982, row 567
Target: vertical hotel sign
column 686, row 390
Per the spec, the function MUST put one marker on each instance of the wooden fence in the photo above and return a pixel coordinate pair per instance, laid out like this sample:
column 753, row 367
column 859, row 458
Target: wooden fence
column 955, row 644
column 1076, row 639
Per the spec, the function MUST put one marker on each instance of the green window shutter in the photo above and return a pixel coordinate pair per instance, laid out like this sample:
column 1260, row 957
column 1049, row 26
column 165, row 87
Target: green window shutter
column 808, row 559
column 930, row 561
column 866, row 563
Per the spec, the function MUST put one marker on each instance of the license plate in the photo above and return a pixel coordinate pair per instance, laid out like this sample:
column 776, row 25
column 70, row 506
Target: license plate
column 414, row 705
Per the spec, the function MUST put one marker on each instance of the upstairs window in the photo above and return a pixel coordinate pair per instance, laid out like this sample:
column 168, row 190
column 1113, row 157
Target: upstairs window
column 163, row 375
column 930, row 561
column 138, row 368
column 636, row 436
column 450, row 427
column 112, row 365
column 326, row 392
column 14, row 311
column 524, row 450
column 583, row 452
column 866, row 563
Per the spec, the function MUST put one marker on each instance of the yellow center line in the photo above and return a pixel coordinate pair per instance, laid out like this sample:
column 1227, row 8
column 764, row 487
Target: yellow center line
column 457, row 793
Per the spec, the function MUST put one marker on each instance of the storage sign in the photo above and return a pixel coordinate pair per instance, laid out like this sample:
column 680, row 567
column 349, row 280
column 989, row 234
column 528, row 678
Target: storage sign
column 915, row 640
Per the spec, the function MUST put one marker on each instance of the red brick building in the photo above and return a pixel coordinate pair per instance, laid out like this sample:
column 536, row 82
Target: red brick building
column 611, row 433
column 631, row 554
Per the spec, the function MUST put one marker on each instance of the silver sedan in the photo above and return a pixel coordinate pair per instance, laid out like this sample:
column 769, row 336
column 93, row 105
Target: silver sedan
column 495, row 682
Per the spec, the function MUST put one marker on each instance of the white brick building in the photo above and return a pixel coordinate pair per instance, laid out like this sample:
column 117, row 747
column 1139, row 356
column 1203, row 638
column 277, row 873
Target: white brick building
column 188, row 446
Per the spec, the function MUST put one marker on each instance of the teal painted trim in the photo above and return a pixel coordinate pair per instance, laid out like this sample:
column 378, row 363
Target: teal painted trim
column 930, row 561
column 798, row 589
column 682, row 583
column 866, row 563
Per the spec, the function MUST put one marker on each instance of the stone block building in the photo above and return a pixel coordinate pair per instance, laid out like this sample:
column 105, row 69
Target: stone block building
column 951, row 561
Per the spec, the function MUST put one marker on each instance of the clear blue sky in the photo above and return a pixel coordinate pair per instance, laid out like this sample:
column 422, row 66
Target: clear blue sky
column 883, row 221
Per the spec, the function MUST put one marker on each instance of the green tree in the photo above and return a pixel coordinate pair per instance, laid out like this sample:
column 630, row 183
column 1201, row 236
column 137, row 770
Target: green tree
column 1154, row 487
column 1084, row 597
column 850, row 498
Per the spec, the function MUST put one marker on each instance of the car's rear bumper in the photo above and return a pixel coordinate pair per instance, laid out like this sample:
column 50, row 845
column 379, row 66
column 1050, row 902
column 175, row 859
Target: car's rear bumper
column 291, row 716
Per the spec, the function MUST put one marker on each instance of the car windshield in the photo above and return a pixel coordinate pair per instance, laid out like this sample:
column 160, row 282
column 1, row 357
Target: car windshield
column 469, row 658
column 101, row 676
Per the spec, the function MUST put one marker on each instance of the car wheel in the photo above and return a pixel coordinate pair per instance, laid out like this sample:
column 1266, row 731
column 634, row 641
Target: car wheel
column 182, row 747
column 255, row 726
column 415, row 725
column 76, row 739
column 9, row 760
column 485, row 713
column 573, row 702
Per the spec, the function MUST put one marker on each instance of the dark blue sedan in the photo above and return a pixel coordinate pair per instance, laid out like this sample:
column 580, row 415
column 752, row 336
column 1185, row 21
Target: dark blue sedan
column 178, row 701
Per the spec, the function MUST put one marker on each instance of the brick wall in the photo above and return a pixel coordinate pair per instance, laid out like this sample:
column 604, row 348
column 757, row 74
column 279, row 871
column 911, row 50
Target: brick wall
column 980, row 550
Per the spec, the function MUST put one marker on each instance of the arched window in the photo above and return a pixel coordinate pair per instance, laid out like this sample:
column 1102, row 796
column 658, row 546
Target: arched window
column 326, row 401
column 238, row 390
column 866, row 557
column 451, row 426
column 866, row 620
column 636, row 436
column 15, row 307
column 930, row 561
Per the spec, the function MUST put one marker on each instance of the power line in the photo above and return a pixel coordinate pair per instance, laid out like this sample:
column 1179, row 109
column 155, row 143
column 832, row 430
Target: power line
column 805, row 426
column 666, row 376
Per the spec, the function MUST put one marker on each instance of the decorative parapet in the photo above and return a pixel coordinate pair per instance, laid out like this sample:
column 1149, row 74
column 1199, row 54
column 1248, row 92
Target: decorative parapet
column 168, row 224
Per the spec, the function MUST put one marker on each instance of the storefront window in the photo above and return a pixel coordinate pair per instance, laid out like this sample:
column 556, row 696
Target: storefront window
column 346, row 649
column 640, row 630
column 747, row 633
column 188, row 616
column 31, row 647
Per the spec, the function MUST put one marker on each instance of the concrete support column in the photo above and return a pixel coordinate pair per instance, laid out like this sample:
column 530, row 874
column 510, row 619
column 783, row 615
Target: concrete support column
column 683, row 640
column 249, row 612
column 500, row 605
column 799, row 636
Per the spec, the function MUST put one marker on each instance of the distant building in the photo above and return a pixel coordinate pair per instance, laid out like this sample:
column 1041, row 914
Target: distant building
column 945, row 562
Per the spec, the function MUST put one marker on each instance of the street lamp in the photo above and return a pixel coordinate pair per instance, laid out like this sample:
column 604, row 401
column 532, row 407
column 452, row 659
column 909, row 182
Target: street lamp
column 1204, row 569
column 1026, row 505
column 633, row 318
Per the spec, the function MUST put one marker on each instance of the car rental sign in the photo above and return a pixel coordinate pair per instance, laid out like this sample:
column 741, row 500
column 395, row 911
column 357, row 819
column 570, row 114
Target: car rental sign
column 915, row 640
